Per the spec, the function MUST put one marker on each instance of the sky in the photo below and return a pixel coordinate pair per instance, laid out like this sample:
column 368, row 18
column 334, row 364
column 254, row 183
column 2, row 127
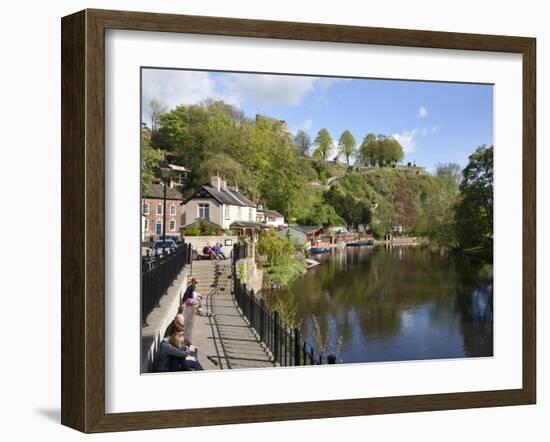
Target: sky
column 435, row 122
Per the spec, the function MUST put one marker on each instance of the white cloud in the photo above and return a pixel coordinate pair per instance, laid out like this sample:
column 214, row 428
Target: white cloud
column 408, row 138
column 175, row 87
column 422, row 112
column 267, row 90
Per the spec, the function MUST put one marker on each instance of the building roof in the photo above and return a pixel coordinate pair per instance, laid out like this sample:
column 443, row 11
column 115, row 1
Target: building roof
column 229, row 195
column 272, row 213
column 156, row 190
column 306, row 230
column 247, row 225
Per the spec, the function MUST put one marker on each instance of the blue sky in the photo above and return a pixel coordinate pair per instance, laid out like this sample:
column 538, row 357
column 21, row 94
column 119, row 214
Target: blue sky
column 434, row 122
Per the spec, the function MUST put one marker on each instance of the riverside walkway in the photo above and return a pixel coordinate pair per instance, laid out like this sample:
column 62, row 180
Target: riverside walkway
column 224, row 340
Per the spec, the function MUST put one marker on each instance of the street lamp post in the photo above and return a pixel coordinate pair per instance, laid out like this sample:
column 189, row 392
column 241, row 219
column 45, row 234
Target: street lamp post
column 165, row 173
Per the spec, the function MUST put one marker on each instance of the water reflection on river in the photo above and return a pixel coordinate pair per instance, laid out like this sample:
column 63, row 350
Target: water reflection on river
column 399, row 303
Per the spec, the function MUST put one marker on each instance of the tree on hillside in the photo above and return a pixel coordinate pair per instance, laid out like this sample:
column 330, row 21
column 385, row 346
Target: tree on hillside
column 172, row 130
column 367, row 151
column 354, row 210
column 449, row 173
column 474, row 212
column 380, row 151
column 324, row 145
column 346, row 145
column 390, row 151
column 156, row 108
column 150, row 160
column 302, row 141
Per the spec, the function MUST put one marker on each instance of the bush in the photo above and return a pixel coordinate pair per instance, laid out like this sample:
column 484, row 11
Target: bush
column 275, row 247
column 192, row 231
column 284, row 271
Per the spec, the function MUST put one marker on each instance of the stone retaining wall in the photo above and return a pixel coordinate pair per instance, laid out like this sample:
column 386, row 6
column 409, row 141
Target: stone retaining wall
column 159, row 320
column 253, row 275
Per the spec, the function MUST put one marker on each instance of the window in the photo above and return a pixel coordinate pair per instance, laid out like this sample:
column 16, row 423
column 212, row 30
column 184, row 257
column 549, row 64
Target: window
column 172, row 225
column 145, row 208
column 250, row 215
column 173, row 210
column 158, row 230
column 146, row 224
column 204, row 211
column 227, row 211
column 159, row 209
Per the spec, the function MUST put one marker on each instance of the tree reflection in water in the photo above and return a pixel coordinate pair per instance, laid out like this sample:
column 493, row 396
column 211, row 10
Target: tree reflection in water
column 399, row 303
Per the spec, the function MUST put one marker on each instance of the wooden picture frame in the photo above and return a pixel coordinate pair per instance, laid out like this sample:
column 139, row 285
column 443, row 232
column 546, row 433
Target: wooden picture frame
column 83, row 210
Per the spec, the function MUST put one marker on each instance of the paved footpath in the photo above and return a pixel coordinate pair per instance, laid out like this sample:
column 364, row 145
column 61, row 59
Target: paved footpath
column 224, row 340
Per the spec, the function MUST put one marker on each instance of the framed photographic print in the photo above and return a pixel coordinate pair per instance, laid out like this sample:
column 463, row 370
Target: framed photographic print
column 251, row 204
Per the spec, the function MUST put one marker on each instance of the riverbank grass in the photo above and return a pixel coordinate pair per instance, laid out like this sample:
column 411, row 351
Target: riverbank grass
column 283, row 271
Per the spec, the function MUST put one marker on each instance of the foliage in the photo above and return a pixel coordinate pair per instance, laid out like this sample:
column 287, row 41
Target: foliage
column 288, row 312
column 324, row 145
column 474, row 211
column 203, row 228
column 241, row 271
column 379, row 151
column 322, row 337
column 150, row 160
column 302, row 141
column 367, row 153
column 284, row 271
column 346, row 145
column 272, row 167
column 449, row 173
column 323, row 214
column 275, row 247
column 353, row 209
column 156, row 109
column 192, row 231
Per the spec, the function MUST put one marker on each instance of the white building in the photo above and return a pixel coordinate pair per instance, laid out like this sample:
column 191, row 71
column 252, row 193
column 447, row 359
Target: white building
column 271, row 218
column 220, row 204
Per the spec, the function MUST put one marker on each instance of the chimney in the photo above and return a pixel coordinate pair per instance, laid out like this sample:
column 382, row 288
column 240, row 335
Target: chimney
column 215, row 181
column 224, row 184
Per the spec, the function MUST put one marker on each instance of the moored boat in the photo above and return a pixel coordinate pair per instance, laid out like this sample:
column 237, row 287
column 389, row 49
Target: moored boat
column 318, row 250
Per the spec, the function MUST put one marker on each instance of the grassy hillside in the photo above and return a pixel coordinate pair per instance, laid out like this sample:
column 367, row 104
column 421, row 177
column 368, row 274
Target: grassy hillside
column 391, row 197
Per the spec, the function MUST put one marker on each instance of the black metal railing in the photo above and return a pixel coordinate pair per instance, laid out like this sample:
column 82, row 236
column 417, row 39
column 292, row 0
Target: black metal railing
column 240, row 251
column 158, row 274
column 285, row 343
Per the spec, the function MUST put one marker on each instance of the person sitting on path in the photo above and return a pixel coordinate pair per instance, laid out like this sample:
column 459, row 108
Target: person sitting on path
column 218, row 251
column 173, row 353
column 193, row 298
column 191, row 288
column 208, row 250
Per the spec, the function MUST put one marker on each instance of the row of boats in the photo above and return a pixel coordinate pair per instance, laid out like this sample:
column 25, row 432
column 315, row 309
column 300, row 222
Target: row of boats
column 319, row 250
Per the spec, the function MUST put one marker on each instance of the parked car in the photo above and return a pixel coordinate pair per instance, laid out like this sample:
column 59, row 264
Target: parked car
column 164, row 247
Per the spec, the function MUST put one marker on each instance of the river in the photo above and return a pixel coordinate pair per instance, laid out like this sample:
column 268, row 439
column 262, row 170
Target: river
column 394, row 303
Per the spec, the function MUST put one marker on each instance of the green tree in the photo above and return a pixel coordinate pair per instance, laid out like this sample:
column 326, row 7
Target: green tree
column 474, row 212
column 346, row 145
column 302, row 141
column 389, row 151
column 275, row 247
column 324, row 144
column 173, row 128
column 150, row 160
column 322, row 214
column 156, row 109
column 449, row 173
column 367, row 155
